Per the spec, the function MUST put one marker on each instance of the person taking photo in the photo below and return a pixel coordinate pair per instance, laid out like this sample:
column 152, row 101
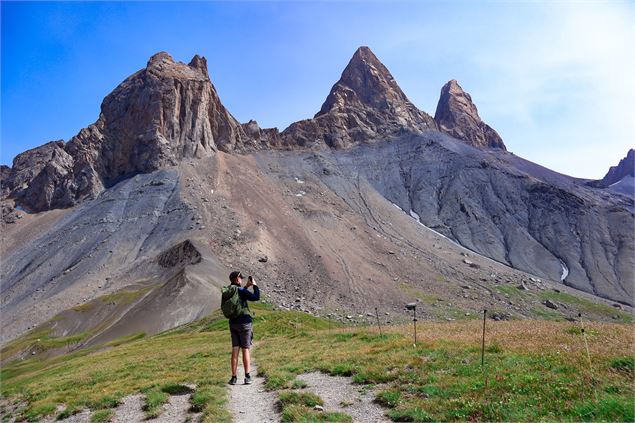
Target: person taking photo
column 235, row 307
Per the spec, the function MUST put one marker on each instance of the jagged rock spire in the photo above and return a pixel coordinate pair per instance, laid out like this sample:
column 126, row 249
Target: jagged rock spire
column 365, row 105
column 457, row 116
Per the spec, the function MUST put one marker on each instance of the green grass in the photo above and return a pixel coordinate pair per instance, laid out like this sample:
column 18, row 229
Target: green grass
column 307, row 399
column 624, row 364
column 101, row 416
column 153, row 403
column 389, row 398
column 40, row 340
column 587, row 307
column 299, row 407
column 125, row 339
column 125, row 297
column 534, row 370
column 299, row 384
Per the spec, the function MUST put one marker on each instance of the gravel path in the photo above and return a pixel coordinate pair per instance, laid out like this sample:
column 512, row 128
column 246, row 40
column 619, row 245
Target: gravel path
column 130, row 411
column 339, row 394
column 252, row 403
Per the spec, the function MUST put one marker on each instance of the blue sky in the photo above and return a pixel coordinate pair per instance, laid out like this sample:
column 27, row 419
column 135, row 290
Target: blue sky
column 557, row 80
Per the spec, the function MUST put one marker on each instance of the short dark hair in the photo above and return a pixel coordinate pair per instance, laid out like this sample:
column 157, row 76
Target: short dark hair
column 233, row 276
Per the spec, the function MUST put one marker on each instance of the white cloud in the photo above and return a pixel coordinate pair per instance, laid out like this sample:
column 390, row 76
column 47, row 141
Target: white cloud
column 563, row 88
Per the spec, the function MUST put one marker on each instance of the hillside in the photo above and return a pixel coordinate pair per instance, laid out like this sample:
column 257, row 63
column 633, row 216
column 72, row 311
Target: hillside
column 534, row 370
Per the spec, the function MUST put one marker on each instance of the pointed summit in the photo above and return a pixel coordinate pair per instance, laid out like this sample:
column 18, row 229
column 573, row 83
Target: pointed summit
column 365, row 105
column 366, row 81
column 457, row 116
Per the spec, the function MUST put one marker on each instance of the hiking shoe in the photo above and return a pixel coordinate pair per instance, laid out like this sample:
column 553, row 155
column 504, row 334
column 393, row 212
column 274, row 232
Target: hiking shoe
column 248, row 380
column 233, row 380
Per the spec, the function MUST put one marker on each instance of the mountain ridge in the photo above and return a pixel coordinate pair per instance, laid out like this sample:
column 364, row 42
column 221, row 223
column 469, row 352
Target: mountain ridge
column 165, row 162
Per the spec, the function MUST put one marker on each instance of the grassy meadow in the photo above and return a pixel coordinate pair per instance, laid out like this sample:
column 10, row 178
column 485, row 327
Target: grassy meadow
column 534, row 370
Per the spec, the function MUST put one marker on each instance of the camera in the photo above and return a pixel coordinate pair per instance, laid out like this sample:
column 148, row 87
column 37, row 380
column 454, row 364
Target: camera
column 250, row 279
column 411, row 306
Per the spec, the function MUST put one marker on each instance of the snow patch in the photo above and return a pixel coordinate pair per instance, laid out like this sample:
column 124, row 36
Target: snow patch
column 298, row 180
column 300, row 194
column 397, row 206
column 565, row 271
column 415, row 215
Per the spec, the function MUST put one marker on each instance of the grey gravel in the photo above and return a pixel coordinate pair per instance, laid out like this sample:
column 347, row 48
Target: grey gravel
column 252, row 403
column 82, row 417
column 339, row 394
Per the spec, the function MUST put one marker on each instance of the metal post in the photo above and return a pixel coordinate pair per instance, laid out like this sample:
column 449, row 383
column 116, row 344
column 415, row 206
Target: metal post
column 378, row 324
column 588, row 356
column 415, row 322
column 483, row 343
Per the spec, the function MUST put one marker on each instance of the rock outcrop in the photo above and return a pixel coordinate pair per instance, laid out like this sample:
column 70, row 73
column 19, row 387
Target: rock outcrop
column 625, row 168
column 157, row 116
column 458, row 117
column 365, row 105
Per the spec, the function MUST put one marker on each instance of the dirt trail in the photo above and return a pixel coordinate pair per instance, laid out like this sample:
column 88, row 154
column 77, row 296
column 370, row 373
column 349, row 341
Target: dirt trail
column 252, row 403
column 339, row 394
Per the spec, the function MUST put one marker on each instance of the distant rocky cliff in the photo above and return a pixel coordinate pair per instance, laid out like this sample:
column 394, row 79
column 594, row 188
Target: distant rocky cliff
column 458, row 117
column 457, row 176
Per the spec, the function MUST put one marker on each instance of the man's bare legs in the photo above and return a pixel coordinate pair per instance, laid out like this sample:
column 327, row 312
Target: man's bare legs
column 234, row 362
column 246, row 360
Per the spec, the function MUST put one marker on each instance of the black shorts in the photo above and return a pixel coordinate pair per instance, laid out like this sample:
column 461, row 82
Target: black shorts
column 242, row 334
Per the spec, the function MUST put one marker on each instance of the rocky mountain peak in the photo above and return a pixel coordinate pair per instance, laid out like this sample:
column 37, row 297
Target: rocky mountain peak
column 162, row 65
column 457, row 116
column 626, row 167
column 364, row 105
column 159, row 57
column 157, row 116
column 365, row 81
column 199, row 62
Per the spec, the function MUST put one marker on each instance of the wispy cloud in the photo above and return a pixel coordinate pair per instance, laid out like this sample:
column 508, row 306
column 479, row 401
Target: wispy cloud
column 564, row 90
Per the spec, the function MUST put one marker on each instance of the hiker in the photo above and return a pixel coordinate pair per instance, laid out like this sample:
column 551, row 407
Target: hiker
column 235, row 308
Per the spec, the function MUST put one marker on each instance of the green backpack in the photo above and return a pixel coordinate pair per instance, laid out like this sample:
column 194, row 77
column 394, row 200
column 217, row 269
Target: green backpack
column 230, row 303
